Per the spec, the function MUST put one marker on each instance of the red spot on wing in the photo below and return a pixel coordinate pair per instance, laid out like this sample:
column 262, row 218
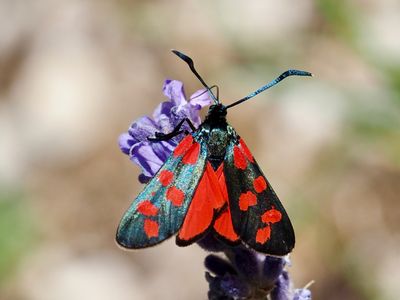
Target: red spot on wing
column 147, row 208
column 239, row 159
column 207, row 198
column 260, row 184
column 224, row 227
column 263, row 235
column 166, row 177
column 192, row 154
column 247, row 199
column 175, row 195
column 271, row 216
column 246, row 150
column 151, row 228
column 183, row 146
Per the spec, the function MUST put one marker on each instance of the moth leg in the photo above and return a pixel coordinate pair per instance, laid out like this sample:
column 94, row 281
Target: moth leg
column 159, row 136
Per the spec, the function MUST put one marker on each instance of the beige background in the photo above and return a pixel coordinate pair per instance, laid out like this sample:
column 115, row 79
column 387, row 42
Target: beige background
column 75, row 74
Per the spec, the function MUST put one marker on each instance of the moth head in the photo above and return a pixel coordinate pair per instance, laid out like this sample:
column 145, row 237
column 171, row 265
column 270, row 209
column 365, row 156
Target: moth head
column 218, row 110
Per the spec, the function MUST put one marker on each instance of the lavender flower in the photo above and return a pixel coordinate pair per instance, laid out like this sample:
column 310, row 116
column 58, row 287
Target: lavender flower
column 150, row 156
column 243, row 273
column 246, row 274
column 302, row 294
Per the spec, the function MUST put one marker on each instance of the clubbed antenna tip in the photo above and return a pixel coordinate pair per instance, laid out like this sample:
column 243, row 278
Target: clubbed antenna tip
column 190, row 63
column 271, row 84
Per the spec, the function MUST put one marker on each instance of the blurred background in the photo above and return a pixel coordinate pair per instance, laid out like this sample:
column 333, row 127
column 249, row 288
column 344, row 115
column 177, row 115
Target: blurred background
column 75, row 74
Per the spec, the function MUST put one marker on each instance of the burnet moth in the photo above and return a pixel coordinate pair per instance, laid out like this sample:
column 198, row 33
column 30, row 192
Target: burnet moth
column 210, row 184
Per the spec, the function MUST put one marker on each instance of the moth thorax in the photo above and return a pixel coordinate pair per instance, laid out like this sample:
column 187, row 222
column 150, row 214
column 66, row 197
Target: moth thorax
column 217, row 142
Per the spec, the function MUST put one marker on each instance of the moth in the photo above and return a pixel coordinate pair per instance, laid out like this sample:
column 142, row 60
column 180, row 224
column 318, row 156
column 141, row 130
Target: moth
column 210, row 184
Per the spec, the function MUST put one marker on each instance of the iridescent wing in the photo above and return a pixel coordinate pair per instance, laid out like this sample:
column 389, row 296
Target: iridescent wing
column 159, row 210
column 258, row 216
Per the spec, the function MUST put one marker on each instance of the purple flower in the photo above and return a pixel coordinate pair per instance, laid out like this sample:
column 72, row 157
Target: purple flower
column 302, row 294
column 150, row 156
column 246, row 274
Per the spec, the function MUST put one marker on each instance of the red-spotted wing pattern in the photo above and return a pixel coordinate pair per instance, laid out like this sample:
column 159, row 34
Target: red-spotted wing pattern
column 258, row 216
column 159, row 210
column 210, row 182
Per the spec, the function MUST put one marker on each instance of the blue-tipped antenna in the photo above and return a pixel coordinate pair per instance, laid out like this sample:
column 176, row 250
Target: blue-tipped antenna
column 288, row 73
column 190, row 62
column 271, row 84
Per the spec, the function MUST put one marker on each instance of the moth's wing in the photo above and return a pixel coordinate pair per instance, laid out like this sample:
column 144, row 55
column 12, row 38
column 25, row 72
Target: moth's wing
column 223, row 227
column 257, row 214
column 207, row 201
column 159, row 210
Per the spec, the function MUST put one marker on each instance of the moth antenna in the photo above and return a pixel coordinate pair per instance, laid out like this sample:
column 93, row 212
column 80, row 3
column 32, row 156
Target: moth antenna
column 271, row 84
column 217, row 88
column 206, row 91
column 190, row 63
